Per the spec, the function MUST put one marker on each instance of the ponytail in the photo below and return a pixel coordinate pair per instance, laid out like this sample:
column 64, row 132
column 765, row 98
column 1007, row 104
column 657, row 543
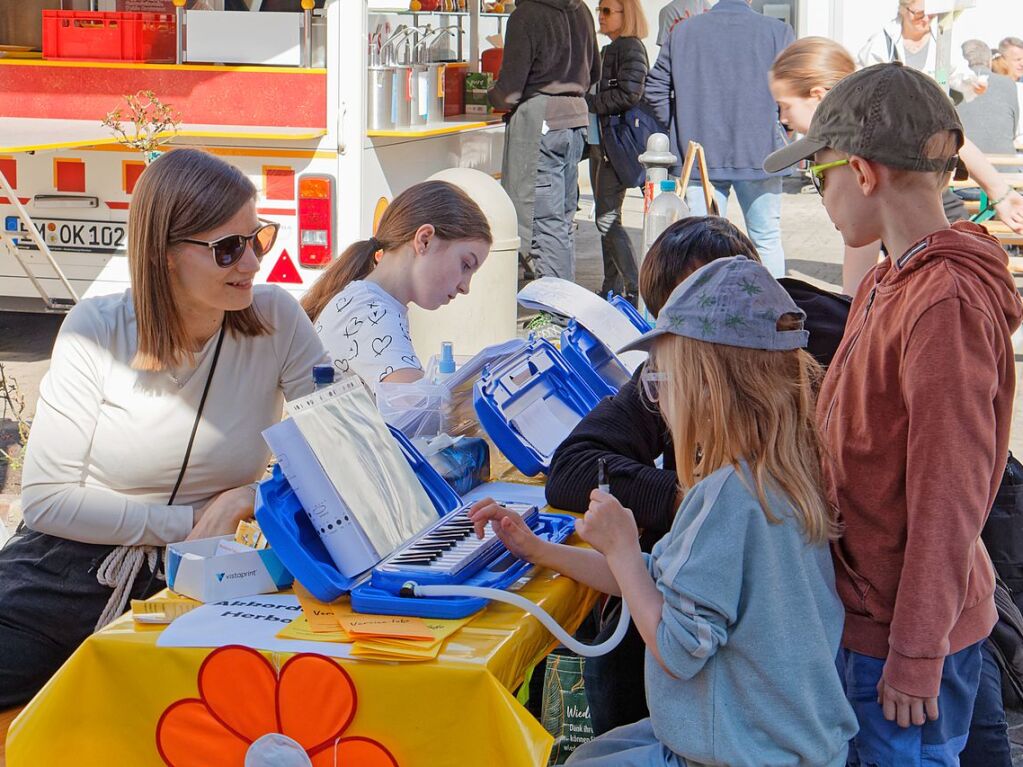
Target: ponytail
column 451, row 212
column 356, row 263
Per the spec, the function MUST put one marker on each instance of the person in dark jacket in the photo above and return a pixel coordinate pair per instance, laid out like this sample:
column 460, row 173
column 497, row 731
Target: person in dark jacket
column 627, row 430
column 550, row 59
column 623, row 70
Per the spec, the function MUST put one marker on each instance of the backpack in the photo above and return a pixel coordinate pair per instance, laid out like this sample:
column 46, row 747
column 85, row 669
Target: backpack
column 1003, row 531
column 1006, row 645
column 1003, row 538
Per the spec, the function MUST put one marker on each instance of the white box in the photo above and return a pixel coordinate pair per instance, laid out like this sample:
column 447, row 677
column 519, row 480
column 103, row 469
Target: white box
column 241, row 37
column 193, row 570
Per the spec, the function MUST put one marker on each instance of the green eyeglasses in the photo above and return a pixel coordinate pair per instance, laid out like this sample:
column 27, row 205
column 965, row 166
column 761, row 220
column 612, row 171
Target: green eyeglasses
column 817, row 173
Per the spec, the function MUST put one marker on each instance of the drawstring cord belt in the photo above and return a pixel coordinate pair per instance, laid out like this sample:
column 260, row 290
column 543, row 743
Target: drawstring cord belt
column 118, row 571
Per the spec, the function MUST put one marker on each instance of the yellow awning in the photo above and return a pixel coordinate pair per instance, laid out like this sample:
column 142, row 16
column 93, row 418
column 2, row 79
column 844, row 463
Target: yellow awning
column 31, row 134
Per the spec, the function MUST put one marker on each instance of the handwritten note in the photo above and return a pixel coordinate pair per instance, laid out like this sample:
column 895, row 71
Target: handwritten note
column 394, row 626
column 319, row 615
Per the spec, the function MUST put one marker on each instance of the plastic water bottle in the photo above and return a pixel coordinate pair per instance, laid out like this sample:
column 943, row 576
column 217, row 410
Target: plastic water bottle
column 666, row 208
column 323, row 376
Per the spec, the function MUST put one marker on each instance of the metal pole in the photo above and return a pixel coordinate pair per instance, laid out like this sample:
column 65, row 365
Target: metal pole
column 179, row 31
column 474, row 35
column 307, row 33
column 943, row 52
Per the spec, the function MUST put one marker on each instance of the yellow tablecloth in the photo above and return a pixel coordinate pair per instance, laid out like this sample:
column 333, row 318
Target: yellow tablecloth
column 103, row 706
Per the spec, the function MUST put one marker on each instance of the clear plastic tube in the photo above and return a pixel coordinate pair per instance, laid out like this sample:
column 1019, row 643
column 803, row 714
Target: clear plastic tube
column 586, row 650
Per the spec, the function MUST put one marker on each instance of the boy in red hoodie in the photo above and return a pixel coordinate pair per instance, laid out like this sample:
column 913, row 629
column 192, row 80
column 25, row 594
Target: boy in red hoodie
column 914, row 411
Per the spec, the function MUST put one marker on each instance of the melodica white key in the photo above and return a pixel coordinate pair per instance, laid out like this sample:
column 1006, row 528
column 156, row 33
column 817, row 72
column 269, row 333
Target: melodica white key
column 449, row 548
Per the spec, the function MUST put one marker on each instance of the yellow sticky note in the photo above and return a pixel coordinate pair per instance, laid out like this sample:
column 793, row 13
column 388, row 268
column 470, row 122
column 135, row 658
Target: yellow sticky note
column 319, row 614
column 371, row 649
column 301, row 629
column 400, row 626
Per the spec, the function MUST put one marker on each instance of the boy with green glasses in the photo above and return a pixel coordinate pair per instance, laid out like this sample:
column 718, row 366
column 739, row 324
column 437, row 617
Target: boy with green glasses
column 914, row 413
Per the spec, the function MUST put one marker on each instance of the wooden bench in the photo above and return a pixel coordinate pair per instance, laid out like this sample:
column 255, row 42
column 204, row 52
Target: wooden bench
column 6, row 717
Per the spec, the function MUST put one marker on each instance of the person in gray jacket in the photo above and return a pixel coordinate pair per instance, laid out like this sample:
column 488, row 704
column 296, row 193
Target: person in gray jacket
column 716, row 64
column 623, row 69
column 737, row 603
column 991, row 120
column 550, row 59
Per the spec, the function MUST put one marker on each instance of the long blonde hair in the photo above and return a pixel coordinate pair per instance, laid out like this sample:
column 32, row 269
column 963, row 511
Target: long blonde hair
column 183, row 193
column 725, row 404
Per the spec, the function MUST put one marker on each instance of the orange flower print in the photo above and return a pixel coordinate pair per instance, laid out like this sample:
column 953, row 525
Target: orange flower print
column 248, row 714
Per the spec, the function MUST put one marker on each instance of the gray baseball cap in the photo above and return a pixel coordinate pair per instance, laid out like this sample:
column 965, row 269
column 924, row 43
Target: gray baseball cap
column 733, row 301
column 886, row 113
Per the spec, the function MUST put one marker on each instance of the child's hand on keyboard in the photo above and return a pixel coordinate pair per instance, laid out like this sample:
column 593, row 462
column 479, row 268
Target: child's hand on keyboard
column 508, row 526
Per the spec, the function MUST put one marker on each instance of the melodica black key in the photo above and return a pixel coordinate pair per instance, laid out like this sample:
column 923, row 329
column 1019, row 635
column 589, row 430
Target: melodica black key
column 446, row 552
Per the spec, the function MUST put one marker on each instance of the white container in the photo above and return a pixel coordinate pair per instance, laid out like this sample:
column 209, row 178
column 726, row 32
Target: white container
column 485, row 316
column 193, row 570
column 241, row 37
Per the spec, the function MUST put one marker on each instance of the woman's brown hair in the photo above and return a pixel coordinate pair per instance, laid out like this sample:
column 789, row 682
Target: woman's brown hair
column 183, row 193
column 683, row 248
column 451, row 212
column 812, row 62
column 726, row 404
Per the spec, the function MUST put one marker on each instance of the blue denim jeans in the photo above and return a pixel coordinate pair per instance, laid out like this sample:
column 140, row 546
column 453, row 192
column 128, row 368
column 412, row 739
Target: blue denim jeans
column 881, row 743
column 988, row 745
column 761, row 207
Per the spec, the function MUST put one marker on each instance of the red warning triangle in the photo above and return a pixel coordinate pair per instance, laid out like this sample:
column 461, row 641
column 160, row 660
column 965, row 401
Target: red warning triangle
column 285, row 270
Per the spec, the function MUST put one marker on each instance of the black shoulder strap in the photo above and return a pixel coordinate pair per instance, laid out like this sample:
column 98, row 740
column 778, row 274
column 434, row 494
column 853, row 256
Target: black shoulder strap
column 198, row 417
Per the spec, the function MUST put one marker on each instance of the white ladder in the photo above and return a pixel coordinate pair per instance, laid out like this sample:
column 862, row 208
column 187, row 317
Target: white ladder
column 53, row 304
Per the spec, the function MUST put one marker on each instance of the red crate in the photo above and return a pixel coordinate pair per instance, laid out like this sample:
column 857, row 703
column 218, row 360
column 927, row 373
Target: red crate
column 108, row 36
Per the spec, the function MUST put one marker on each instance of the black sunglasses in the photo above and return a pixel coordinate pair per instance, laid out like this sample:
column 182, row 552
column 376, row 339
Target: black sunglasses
column 228, row 251
column 604, row 11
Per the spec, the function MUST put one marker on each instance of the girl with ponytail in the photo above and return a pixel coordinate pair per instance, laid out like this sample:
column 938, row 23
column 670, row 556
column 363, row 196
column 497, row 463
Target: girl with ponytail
column 430, row 241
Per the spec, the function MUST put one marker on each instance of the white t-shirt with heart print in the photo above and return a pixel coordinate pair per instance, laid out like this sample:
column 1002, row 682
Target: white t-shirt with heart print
column 365, row 331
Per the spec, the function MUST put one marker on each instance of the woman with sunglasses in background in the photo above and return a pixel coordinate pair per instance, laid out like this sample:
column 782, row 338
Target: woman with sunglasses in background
column 429, row 243
column 623, row 70
column 148, row 424
column 911, row 39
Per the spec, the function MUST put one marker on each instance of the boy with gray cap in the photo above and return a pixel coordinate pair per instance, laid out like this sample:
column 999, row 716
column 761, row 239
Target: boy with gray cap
column 736, row 603
column 914, row 413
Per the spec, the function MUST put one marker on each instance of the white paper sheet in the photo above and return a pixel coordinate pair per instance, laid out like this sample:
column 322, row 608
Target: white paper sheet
column 589, row 310
column 249, row 621
column 353, row 445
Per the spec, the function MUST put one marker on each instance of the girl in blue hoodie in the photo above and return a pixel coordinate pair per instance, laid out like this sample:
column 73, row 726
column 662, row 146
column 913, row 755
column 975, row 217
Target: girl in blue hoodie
column 737, row 603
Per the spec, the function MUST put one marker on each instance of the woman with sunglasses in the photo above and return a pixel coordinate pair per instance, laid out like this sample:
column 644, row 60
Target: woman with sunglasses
column 148, row 424
column 910, row 38
column 623, row 70
column 429, row 243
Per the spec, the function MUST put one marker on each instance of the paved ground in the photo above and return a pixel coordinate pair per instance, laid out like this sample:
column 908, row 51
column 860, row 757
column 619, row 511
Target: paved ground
column 813, row 249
